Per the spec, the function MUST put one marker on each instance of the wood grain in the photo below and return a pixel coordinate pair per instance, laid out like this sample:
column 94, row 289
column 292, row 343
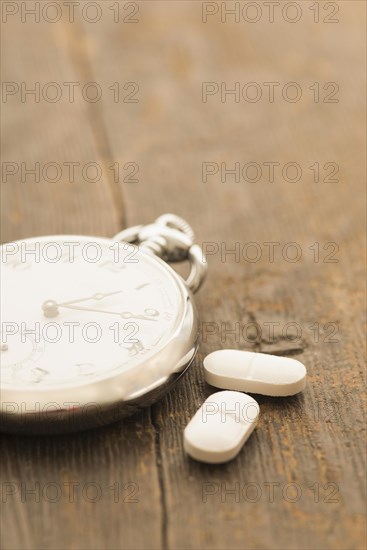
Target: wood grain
column 308, row 449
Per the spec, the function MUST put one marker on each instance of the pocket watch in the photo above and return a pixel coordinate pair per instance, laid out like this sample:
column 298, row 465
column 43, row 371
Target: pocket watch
column 92, row 329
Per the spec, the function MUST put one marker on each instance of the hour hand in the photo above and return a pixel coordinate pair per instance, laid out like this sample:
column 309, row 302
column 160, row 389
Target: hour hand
column 51, row 308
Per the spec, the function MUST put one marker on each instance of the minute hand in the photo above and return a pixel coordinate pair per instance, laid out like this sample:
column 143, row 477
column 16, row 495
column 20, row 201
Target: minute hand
column 123, row 314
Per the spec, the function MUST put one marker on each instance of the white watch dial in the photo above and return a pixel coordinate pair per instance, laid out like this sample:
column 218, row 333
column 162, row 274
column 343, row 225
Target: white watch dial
column 76, row 310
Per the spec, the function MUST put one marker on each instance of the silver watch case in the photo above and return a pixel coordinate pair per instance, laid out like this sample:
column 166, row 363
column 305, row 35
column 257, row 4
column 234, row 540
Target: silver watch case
column 100, row 402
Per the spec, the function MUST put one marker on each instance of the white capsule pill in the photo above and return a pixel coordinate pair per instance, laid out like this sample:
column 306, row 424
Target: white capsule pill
column 221, row 426
column 254, row 372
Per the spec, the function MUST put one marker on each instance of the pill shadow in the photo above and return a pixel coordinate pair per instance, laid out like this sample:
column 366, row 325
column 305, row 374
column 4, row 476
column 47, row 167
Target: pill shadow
column 285, row 404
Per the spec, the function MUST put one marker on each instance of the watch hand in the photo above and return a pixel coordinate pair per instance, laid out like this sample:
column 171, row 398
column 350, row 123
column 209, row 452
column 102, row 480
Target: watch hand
column 124, row 314
column 77, row 308
column 50, row 307
column 96, row 296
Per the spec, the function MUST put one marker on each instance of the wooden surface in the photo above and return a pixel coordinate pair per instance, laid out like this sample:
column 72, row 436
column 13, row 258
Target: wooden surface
column 314, row 441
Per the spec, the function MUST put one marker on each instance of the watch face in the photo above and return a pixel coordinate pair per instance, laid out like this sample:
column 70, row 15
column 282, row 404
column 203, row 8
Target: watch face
column 78, row 310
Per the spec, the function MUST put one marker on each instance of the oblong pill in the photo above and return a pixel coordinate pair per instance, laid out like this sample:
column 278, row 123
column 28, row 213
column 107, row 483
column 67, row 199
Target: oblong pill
column 221, row 426
column 254, row 372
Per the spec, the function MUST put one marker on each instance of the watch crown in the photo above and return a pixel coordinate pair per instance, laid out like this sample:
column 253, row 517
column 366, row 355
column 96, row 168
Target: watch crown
column 172, row 239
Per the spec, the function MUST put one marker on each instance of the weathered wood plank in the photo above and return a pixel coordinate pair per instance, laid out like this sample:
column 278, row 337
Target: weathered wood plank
column 115, row 467
column 49, row 145
column 313, row 441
